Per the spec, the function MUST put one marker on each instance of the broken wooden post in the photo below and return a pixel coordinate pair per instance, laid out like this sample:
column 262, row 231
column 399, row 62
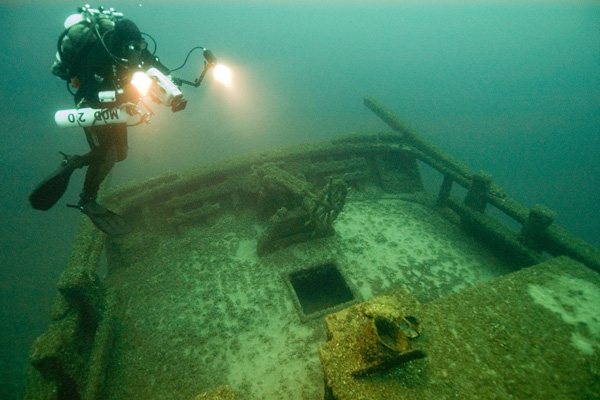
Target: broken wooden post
column 533, row 231
column 445, row 191
column 477, row 195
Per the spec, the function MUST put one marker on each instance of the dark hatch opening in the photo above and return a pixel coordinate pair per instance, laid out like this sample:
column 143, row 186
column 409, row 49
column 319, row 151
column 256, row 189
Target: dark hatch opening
column 320, row 288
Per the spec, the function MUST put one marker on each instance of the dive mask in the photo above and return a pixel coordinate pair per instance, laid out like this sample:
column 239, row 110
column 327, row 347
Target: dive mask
column 136, row 45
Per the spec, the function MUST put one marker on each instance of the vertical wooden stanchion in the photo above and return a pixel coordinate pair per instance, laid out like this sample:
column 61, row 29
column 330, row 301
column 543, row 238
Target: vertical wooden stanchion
column 477, row 195
column 539, row 220
column 445, row 191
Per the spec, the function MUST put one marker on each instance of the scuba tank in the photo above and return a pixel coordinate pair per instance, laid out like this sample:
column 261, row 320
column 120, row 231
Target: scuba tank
column 85, row 117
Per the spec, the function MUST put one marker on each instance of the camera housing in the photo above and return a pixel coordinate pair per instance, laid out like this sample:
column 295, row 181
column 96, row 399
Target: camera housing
column 165, row 91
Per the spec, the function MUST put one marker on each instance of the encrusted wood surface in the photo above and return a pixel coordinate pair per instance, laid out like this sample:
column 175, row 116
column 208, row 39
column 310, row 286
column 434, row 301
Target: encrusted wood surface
column 504, row 339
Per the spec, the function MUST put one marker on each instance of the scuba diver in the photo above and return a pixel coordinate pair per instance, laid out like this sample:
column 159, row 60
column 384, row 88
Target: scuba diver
column 97, row 54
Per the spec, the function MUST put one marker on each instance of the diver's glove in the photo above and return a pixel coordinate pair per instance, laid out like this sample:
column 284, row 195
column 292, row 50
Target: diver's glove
column 130, row 108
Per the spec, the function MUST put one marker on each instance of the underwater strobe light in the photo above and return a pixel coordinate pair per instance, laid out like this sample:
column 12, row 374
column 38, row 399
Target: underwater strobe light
column 142, row 83
column 222, row 74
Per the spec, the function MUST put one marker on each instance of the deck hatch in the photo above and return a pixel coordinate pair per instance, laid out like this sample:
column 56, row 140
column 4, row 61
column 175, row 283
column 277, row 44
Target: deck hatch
column 320, row 288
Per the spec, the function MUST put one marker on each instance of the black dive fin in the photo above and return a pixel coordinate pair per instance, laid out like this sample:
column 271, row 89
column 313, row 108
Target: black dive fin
column 51, row 189
column 107, row 221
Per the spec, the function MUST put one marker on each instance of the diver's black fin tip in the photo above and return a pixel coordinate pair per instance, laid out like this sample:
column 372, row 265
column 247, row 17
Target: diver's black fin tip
column 51, row 189
column 108, row 222
column 39, row 204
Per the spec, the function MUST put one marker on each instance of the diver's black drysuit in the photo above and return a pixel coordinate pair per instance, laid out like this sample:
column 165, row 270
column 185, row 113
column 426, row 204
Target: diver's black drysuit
column 99, row 71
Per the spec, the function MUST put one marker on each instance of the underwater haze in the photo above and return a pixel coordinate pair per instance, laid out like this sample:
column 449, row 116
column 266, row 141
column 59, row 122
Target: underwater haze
column 509, row 87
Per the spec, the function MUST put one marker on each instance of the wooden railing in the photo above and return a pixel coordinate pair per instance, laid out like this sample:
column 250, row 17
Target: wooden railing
column 538, row 233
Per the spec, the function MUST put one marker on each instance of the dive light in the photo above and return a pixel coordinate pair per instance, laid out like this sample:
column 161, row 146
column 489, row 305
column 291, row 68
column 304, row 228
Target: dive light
column 222, row 73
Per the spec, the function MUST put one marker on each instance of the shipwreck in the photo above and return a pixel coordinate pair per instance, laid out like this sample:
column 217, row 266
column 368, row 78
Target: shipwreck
column 325, row 271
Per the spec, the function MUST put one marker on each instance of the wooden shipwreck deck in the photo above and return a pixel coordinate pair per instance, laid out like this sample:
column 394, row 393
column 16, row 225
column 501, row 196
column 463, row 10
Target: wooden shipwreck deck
column 231, row 271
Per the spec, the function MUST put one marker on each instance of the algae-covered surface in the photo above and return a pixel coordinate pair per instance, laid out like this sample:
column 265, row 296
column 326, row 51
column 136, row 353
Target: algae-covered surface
column 532, row 334
column 197, row 309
